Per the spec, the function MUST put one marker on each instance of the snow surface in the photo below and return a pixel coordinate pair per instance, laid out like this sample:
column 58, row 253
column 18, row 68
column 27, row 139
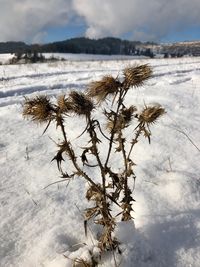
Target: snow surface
column 38, row 226
column 4, row 58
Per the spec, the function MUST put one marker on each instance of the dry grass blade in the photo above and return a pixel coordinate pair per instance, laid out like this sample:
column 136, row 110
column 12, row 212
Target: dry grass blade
column 135, row 76
column 101, row 89
column 39, row 109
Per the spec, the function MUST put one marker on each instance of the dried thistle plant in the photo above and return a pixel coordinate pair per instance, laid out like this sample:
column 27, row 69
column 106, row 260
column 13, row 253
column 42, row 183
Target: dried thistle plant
column 113, row 187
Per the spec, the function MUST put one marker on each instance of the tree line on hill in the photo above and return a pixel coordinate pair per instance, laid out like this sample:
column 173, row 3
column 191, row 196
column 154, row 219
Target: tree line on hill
column 105, row 46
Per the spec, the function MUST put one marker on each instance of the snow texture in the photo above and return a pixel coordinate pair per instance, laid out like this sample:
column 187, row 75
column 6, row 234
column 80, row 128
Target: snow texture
column 38, row 226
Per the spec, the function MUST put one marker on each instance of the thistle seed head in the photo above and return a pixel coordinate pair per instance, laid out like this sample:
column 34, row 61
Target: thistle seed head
column 151, row 114
column 63, row 104
column 101, row 89
column 110, row 126
column 80, row 104
column 93, row 193
column 38, row 109
column 127, row 114
column 122, row 121
column 135, row 76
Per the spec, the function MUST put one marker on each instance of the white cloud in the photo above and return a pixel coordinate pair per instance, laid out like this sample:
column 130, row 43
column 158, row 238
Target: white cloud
column 29, row 19
column 153, row 19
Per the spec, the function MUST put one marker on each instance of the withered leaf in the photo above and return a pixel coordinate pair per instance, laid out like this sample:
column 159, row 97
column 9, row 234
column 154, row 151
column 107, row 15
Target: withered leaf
column 59, row 159
column 83, row 156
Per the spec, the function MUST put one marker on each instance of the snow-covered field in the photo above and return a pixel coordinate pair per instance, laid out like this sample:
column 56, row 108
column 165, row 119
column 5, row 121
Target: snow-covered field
column 39, row 225
column 4, row 58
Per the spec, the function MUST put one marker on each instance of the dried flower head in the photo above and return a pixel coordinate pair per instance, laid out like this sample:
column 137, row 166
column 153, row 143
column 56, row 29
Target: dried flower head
column 63, row 104
column 114, row 127
column 151, row 114
column 94, row 193
column 79, row 103
column 127, row 114
column 39, row 109
column 122, row 121
column 101, row 89
column 135, row 76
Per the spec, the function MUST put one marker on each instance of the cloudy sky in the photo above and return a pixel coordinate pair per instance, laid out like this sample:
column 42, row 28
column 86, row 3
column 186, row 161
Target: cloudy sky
column 51, row 20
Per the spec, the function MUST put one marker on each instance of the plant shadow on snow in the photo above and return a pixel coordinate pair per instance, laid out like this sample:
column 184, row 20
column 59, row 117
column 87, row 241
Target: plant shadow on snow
column 178, row 233
column 172, row 225
column 157, row 245
column 72, row 242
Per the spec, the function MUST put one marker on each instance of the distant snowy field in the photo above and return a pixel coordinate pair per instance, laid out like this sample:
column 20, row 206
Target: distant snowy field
column 4, row 58
column 39, row 225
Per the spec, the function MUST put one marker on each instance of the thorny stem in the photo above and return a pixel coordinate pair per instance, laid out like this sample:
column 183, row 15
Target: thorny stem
column 104, row 205
column 63, row 128
column 79, row 170
column 93, row 136
column 126, row 167
column 120, row 101
column 105, row 210
column 135, row 140
column 73, row 158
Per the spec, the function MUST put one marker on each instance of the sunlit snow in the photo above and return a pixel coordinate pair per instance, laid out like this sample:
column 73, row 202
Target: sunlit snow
column 38, row 226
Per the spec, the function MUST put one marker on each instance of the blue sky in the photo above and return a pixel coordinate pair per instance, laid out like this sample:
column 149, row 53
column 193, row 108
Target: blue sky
column 53, row 20
column 64, row 32
column 190, row 34
column 71, row 31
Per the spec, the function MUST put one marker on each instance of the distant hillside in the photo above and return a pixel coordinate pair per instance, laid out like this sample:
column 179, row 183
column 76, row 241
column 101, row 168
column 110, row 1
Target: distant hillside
column 12, row 47
column 105, row 46
column 183, row 48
